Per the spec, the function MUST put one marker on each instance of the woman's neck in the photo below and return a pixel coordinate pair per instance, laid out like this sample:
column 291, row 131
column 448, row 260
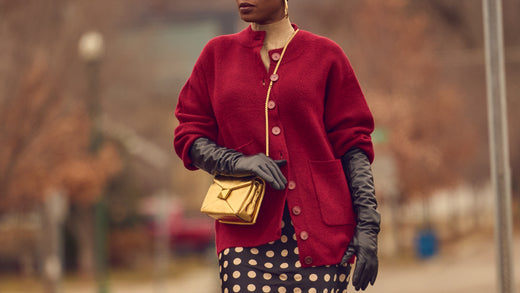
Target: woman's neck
column 276, row 34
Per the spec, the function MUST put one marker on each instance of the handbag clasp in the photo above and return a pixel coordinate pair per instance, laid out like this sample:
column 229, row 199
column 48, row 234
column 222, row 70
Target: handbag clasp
column 224, row 193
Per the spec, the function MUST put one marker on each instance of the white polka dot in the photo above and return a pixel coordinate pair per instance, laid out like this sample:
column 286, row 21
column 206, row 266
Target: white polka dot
column 283, row 277
column 284, row 265
column 335, row 277
column 236, row 288
column 254, row 250
column 283, row 224
column 251, row 287
column 313, row 277
column 282, row 290
column 297, row 290
column 220, row 256
column 298, row 277
column 294, row 236
column 268, row 265
column 285, row 253
column 237, row 261
column 270, row 253
column 326, row 290
column 225, row 277
column 251, row 274
column 271, row 243
column 298, row 264
column 313, row 290
column 266, row 289
column 253, row 262
column 225, row 264
column 220, row 269
column 327, row 277
column 296, row 251
column 236, row 274
column 345, row 291
column 226, row 251
column 226, row 290
column 239, row 249
column 267, row 276
column 342, row 277
column 284, row 239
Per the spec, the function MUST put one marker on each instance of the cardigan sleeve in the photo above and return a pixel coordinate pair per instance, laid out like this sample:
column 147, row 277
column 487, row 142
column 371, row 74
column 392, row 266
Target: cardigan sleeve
column 348, row 120
column 194, row 112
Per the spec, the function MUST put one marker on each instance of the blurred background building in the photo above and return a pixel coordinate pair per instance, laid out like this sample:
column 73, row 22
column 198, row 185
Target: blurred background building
column 86, row 144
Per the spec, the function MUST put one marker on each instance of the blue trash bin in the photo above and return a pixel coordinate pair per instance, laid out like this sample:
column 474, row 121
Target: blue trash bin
column 426, row 243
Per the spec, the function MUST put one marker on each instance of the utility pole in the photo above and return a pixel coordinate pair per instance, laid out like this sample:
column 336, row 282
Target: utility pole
column 498, row 141
column 55, row 209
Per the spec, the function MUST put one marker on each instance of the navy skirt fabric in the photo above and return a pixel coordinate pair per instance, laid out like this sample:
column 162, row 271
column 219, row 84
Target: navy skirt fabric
column 275, row 268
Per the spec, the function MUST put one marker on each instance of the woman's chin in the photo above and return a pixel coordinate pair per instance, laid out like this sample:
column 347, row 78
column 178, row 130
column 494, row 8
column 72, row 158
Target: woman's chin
column 248, row 18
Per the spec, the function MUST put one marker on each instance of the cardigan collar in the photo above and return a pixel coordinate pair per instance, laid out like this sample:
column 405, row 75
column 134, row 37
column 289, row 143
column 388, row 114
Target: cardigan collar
column 255, row 40
column 251, row 38
column 276, row 34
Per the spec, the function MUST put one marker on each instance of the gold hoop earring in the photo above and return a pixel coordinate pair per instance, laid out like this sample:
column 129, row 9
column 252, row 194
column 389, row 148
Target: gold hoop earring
column 286, row 9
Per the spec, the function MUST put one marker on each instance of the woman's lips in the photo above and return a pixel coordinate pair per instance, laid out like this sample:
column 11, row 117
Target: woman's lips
column 246, row 8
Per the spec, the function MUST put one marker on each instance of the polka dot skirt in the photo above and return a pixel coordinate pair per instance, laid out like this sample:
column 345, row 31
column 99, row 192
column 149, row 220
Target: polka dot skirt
column 275, row 268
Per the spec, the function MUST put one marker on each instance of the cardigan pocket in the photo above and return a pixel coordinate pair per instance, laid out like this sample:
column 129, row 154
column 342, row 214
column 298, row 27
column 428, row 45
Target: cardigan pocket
column 332, row 192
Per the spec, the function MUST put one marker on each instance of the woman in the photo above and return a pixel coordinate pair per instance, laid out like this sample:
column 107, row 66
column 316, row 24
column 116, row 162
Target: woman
column 319, row 210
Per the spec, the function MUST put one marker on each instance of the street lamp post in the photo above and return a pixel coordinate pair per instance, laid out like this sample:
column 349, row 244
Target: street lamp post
column 91, row 50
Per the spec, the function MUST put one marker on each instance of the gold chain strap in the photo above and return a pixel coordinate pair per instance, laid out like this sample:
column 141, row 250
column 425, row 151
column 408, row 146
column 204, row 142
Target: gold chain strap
column 269, row 94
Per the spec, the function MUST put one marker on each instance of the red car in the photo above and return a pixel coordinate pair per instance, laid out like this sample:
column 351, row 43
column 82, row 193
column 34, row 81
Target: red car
column 194, row 233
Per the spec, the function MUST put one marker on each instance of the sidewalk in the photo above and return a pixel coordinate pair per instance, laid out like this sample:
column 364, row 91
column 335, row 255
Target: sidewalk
column 202, row 280
column 468, row 267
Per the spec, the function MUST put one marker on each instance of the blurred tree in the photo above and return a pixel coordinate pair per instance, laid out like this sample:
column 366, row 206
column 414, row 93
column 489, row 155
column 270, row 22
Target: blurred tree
column 44, row 127
column 462, row 20
column 391, row 47
column 421, row 64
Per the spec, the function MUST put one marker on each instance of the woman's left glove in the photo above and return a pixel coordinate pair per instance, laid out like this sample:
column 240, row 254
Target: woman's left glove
column 364, row 242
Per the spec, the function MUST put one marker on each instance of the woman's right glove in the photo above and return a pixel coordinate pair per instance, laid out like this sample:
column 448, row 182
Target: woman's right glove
column 214, row 159
column 364, row 242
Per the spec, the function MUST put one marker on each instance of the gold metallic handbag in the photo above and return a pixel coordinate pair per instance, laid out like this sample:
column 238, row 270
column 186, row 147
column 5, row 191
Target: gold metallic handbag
column 237, row 199
column 234, row 200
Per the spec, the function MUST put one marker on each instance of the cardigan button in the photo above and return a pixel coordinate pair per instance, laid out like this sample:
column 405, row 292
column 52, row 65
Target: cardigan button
column 304, row 235
column 271, row 105
column 276, row 130
column 275, row 56
column 308, row 260
column 274, row 77
column 292, row 185
column 296, row 210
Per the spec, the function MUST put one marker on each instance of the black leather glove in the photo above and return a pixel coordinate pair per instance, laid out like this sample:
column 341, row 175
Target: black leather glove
column 364, row 242
column 214, row 159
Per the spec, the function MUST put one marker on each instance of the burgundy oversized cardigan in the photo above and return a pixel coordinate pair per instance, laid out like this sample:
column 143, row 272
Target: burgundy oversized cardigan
column 317, row 112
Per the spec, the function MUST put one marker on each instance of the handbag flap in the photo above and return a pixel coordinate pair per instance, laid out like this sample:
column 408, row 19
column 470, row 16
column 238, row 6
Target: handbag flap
column 229, row 184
